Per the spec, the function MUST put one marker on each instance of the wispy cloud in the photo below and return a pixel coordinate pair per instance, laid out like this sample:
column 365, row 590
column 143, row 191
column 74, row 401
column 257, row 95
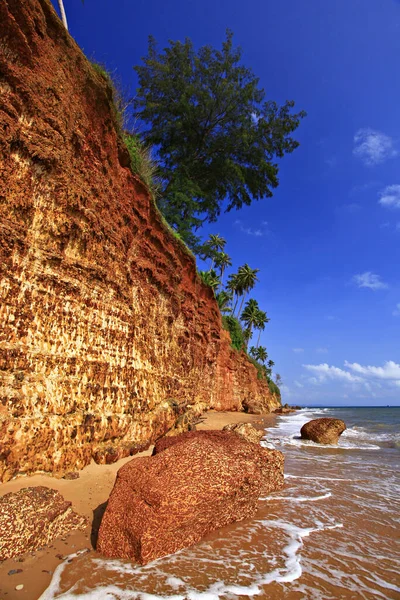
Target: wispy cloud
column 396, row 312
column 390, row 196
column 298, row 350
column 322, row 350
column 390, row 370
column 249, row 230
column 298, row 384
column 369, row 377
column 373, row 147
column 370, row 280
column 324, row 372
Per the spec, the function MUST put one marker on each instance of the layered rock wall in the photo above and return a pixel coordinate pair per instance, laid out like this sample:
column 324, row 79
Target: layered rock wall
column 107, row 334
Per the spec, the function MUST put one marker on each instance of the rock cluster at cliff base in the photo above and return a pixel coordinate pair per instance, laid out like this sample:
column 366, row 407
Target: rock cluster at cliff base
column 323, row 431
column 33, row 517
column 195, row 483
column 245, row 430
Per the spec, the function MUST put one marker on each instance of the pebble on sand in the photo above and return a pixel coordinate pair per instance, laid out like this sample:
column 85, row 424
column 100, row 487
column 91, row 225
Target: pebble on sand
column 19, row 587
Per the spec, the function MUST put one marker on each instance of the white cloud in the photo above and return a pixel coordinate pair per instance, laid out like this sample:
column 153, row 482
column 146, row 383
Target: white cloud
column 249, row 231
column 396, row 312
column 298, row 384
column 298, row 350
column 322, row 350
column 390, row 196
column 325, row 372
column 370, row 280
column 378, row 381
column 390, row 370
column 373, row 147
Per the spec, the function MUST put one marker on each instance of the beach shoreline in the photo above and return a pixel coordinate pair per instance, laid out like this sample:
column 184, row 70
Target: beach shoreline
column 88, row 495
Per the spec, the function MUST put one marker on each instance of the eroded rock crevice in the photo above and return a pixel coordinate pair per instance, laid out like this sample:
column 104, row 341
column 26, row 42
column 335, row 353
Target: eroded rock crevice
column 104, row 321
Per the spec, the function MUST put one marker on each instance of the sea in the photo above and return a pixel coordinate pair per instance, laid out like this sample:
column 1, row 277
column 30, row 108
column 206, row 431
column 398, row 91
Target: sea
column 332, row 532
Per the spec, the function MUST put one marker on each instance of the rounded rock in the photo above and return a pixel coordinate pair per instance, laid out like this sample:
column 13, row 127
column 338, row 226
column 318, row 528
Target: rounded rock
column 323, row 431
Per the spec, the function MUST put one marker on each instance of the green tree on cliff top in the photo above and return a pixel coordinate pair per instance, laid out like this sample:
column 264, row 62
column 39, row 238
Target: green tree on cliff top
column 217, row 137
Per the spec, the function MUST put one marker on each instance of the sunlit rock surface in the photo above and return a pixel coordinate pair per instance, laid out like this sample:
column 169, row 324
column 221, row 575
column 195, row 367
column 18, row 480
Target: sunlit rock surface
column 195, row 483
column 108, row 336
column 323, row 431
column 34, row 517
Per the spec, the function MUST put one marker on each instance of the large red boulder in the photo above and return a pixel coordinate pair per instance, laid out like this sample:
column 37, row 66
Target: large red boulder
column 194, row 484
column 323, row 431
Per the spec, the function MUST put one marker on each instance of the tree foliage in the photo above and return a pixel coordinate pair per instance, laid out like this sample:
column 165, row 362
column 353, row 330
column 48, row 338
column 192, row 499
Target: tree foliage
column 217, row 136
column 232, row 325
column 249, row 317
column 210, row 278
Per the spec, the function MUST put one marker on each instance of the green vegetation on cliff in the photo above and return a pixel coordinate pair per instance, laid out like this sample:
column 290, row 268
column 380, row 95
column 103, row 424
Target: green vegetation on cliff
column 231, row 299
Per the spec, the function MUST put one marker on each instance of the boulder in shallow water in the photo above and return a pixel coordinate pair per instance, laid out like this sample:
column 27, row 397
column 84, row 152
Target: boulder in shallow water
column 323, row 431
column 195, row 483
column 34, row 517
column 271, row 462
column 246, row 430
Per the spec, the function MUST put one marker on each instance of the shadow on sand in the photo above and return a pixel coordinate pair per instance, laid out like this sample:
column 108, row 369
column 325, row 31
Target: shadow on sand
column 97, row 517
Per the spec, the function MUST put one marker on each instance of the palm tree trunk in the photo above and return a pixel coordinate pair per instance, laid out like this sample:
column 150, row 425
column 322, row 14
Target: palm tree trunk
column 236, row 301
column 63, row 15
column 241, row 304
column 248, row 336
column 258, row 340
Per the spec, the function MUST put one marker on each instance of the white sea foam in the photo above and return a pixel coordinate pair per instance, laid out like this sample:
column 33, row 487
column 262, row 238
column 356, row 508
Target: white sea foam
column 288, row 476
column 251, row 555
column 298, row 498
column 289, row 572
column 287, row 433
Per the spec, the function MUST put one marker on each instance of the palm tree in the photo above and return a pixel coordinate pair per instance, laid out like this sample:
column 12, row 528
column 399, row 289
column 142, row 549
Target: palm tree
column 222, row 260
column 262, row 320
column 214, row 244
column 235, row 287
column 249, row 316
column 247, row 278
column 253, row 352
column 210, row 278
column 223, row 299
column 262, row 354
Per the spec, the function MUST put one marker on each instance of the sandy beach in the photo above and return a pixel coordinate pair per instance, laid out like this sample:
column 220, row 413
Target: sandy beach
column 88, row 494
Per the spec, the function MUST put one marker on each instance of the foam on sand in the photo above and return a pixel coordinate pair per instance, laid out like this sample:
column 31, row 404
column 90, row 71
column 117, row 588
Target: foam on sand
column 298, row 498
column 290, row 571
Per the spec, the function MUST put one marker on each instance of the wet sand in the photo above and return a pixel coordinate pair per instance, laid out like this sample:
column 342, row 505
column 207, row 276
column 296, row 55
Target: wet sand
column 88, row 495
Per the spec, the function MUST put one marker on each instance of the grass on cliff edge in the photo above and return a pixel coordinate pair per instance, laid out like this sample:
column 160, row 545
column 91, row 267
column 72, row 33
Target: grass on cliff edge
column 145, row 167
column 142, row 163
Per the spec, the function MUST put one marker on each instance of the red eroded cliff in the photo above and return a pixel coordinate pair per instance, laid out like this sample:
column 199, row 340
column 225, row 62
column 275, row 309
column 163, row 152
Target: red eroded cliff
column 107, row 334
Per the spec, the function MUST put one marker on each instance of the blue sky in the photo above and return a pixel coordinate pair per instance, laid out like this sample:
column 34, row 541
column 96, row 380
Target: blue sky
column 327, row 244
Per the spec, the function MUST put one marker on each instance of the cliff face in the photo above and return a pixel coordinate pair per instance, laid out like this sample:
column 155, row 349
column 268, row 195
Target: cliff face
column 107, row 335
